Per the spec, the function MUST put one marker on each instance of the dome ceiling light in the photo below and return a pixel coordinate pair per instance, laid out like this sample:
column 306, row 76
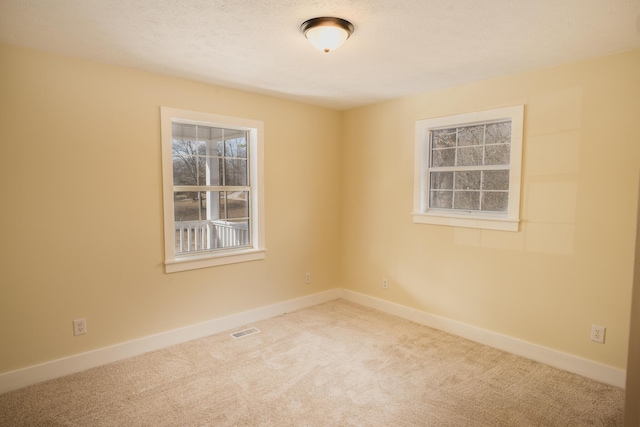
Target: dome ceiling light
column 327, row 33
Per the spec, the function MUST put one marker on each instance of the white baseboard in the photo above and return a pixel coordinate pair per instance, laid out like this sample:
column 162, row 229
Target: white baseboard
column 80, row 362
column 567, row 362
column 34, row 374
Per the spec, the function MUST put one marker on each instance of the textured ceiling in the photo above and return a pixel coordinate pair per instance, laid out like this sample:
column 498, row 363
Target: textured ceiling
column 399, row 47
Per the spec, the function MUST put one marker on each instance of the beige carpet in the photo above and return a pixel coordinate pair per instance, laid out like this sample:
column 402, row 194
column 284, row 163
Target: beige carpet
column 335, row 364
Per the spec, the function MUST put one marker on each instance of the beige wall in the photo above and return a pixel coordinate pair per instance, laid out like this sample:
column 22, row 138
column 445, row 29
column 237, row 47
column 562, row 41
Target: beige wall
column 632, row 398
column 81, row 210
column 571, row 264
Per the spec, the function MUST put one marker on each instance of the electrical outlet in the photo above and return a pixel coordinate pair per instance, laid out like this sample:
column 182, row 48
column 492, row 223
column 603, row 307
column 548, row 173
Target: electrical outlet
column 597, row 333
column 79, row 326
column 307, row 278
column 385, row 283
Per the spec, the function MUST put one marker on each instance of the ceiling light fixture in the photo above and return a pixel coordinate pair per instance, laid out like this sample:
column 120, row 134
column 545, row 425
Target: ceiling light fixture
column 327, row 33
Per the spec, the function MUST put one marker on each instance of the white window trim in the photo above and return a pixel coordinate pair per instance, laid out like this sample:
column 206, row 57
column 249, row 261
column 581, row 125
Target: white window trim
column 173, row 262
column 508, row 221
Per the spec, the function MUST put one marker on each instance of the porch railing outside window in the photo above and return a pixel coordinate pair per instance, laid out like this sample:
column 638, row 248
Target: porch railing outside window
column 195, row 236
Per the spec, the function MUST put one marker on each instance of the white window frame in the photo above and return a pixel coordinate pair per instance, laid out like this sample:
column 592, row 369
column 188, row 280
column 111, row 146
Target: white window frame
column 181, row 262
column 506, row 221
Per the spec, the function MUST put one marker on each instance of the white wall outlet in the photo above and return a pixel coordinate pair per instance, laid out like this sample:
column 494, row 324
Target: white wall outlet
column 79, row 326
column 307, row 278
column 597, row 333
column 385, row 283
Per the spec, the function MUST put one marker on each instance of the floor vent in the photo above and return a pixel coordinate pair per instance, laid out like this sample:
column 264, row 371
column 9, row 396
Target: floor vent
column 244, row 333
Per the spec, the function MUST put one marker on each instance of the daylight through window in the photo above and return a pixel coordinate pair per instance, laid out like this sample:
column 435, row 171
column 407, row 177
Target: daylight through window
column 467, row 169
column 212, row 175
column 211, row 192
column 470, row 167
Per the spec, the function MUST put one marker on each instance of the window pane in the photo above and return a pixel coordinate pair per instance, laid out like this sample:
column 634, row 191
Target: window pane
column 441, row 199
column 497, row 154
column 441, row 180
column 209, row 148
column 207, row 133
column 189, row 205
column 185, row 169
column 467, row 200
column 239, row 223
column 472, row 135
column 183, row 131
column 445, row 157
column 217, row 205
column 202, row 171
column 468, row 180
column 209, row 171
column 495, row 201
column 202, row 148
column 237, row 204
column 498, row 133
column 469, row 156
column 233, row 233
column 495, row 180
column 235, row 143
column 444, row 138
column 235, row 172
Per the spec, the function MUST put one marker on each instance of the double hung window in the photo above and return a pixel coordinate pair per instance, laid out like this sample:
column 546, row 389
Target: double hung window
column 212, row 197
column 467, row 169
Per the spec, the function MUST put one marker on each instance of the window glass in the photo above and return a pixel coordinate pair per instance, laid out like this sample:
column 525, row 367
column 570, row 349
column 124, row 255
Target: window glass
column 212, row 189
column 205, row 156
column 465, row 149
column 468, row 169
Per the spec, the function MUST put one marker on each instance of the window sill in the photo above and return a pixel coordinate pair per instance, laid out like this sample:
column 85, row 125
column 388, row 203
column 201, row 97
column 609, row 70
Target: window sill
column 193, row 262
column 468, row 221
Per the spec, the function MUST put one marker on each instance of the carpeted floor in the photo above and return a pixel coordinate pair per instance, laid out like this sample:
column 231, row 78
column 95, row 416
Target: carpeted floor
column 335, row 364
